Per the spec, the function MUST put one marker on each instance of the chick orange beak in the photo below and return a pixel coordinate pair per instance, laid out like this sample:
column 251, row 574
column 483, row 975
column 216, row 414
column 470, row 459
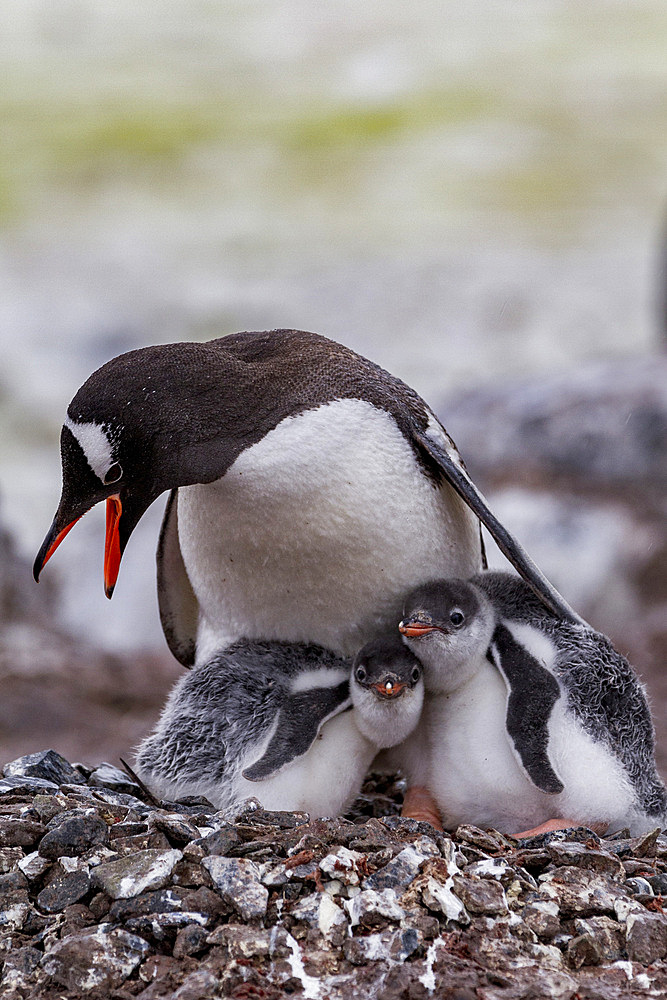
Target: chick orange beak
column 414, row 629
column 112, row 551
column 389, row 689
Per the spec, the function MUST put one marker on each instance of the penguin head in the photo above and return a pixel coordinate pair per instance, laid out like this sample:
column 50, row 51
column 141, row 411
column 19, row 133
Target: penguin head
column 387, row 691
column 448, row 625
column 147, row 421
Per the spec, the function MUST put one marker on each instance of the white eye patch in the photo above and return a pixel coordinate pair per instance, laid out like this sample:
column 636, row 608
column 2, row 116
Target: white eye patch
column 95, row 443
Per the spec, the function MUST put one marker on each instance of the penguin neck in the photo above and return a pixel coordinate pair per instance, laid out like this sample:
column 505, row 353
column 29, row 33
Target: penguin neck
column 294, row 542
column 453, row 661
column 386, row 723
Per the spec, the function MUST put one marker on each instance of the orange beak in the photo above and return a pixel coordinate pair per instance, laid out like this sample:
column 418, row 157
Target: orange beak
column 112, row 551
column 55, row 543
column 389, row 689
column 414, row 629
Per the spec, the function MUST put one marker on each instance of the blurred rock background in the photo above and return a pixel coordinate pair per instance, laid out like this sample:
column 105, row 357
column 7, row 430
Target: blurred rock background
column 472, row 195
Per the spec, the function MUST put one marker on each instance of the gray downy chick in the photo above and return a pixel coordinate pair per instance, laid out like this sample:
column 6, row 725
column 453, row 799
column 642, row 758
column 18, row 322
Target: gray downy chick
column 528, row 716
column 285, row 723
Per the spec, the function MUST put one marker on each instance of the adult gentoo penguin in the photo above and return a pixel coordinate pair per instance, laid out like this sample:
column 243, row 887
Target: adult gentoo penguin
column 529, row 717
column 309, row 489
column 269, row 720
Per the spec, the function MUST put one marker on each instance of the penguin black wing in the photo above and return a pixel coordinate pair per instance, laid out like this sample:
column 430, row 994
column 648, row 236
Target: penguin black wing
column 532, row 693
column 179, row 609
column 300, row 719
column 445, row 457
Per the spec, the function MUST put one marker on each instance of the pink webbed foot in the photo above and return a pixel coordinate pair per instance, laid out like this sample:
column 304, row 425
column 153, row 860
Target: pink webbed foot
column 560, row 824
column 419, row 804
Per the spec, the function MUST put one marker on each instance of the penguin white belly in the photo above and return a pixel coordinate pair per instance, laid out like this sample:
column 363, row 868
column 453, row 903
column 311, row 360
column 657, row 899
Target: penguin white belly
column 325, row 780
column 474, row 774
column 315, row 533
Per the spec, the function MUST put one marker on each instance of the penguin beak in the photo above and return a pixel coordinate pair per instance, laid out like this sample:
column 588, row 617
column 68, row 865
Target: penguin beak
column 415, row 629
column 389, row 687
column 112, row 548
column 50, row 544
column 122, row 516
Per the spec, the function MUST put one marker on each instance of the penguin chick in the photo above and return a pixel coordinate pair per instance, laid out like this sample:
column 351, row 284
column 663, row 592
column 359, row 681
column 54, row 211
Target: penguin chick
column 269, row 720
column 530, row 716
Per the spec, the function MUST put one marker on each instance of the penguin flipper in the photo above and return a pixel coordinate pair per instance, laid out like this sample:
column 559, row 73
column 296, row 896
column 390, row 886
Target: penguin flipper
column 456, row 475
column 179, row 610
column 532, row 693
column 299, row 722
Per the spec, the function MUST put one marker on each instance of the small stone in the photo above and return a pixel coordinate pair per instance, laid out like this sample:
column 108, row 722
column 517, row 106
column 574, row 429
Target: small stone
column 101, row 958
column 542, row 919
column 342, row 865
column 480, row 895
column 109, row 776
column 489, row 868
column 580, row 892
column 240, row 942
column 583, row 950
column 398, row 873
column 489, row 841
column 639, row 886
column 374, row 909
column 320, row 912
column 625, row 906
column 605, row 934
column 48, row 765
column 190, row 940
column 220, row 841
column 389, row 945
column 63, row 891
column 10, row 857
column 19, row 969
column 659, row 884
column 27, row 786
column 646, row 937
column 48, row 806
column 15, row 832
column 135, row 873
column 438, row 896
column 74, row 836
column 576, row 853
column 237, row 881
column 162, row 927
column 176, row 828
column 196, row 985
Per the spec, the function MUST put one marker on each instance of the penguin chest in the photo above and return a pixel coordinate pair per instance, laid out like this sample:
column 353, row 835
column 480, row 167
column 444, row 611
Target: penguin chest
column 325, row 780
column 474, row 774
column 316, row 532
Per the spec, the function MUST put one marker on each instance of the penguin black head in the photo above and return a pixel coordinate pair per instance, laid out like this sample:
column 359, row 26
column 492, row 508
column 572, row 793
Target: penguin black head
column 386, row 668
column 448, row 624
column 147, row 421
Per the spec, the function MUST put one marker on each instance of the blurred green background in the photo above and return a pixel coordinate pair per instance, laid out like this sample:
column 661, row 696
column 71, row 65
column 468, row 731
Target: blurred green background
column 469, row 194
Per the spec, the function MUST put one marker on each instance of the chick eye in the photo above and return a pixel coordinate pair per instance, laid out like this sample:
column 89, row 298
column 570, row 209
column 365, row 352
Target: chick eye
column 457, row 617
column 360, row 674
column 113, row 474
column 415, row 675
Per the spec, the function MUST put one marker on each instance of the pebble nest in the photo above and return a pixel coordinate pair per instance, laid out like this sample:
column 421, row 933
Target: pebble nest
column 105, row 893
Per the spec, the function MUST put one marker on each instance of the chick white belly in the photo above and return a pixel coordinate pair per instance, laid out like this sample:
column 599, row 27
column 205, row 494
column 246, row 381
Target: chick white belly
column 316, row 532
column 325, row 780
column 474, row 774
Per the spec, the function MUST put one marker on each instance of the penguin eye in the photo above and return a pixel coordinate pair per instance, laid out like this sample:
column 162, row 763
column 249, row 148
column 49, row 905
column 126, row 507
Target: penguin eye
column 457, row 618
column 360, row 674
column 415, row 675
column 113, row 474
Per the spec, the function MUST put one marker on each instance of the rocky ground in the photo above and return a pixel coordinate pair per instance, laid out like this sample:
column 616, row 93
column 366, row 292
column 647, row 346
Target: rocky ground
column 106, row 894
